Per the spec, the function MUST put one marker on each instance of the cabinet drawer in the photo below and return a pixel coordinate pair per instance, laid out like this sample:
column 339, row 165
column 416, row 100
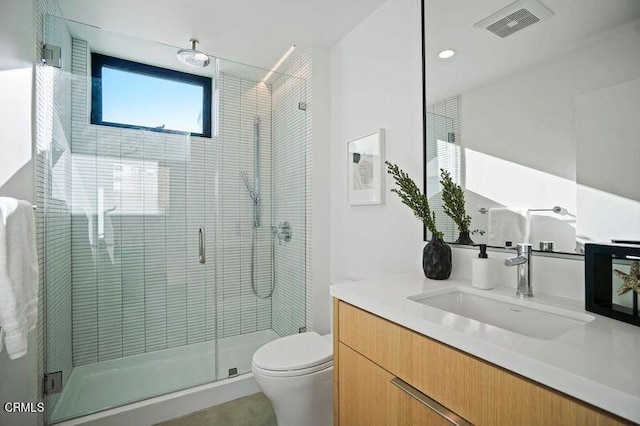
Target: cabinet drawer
column 369, row 397
column 475, row 389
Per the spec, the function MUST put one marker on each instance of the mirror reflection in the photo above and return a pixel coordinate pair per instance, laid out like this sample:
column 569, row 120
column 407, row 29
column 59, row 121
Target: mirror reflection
column 532, row 107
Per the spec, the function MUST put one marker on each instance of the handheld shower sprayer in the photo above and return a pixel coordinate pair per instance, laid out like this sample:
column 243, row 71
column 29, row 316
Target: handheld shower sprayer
column 252, row 193
column 255, row 197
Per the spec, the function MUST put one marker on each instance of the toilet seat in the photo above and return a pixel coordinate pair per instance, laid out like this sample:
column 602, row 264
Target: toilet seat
column 295, row 355
column 291, row 373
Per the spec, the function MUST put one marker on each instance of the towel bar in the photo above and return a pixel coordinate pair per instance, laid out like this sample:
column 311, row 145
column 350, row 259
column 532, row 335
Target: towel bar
column 555, row 209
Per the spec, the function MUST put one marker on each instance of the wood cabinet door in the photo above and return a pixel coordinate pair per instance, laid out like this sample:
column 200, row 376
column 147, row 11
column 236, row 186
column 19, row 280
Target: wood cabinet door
column 369, row 397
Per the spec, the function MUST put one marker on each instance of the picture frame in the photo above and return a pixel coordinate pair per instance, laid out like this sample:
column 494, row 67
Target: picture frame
column 365, row 169
column 611, row 281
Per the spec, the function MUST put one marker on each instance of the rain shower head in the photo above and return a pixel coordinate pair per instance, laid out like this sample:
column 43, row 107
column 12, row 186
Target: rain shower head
column 193, row 57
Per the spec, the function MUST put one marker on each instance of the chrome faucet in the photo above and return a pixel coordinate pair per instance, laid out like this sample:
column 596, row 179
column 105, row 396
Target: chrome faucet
column 523, row 261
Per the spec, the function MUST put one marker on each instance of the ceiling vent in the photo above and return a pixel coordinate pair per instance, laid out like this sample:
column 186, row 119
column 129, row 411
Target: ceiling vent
column 515, row 17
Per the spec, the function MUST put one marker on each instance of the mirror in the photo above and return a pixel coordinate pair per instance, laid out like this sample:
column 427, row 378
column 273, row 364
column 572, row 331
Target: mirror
column 536, row 115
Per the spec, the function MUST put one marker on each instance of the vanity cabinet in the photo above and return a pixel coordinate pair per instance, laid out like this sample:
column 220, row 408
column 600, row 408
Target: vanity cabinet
column 385, row 374
column 371, row 397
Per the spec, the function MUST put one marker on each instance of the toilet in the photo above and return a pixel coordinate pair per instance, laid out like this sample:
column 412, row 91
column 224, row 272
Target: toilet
column 296, row 375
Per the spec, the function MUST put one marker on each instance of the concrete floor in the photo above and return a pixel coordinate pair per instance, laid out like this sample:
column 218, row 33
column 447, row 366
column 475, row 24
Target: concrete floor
column 252, row 410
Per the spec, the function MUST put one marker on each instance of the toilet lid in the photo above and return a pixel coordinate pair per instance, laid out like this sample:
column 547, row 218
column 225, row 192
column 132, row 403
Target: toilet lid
column 294, row 352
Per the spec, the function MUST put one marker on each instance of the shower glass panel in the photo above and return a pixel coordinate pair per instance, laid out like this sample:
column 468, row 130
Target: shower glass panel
column 262, row 278
column 156, row 276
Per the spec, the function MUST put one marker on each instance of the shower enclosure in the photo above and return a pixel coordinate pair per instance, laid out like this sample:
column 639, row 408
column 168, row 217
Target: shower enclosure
column 166, row 259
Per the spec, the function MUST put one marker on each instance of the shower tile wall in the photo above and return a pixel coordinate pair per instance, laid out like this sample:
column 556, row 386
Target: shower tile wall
column 138, row 287
column 291, row 165
column 53, row 195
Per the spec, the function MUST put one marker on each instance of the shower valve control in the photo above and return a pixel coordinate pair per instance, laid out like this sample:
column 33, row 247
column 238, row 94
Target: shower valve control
column 283, row 231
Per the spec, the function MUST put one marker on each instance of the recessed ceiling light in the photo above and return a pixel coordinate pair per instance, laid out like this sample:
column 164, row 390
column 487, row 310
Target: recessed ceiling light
column 446, row 54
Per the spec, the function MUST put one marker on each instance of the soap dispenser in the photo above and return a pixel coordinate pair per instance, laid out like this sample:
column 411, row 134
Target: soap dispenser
column 481, row 276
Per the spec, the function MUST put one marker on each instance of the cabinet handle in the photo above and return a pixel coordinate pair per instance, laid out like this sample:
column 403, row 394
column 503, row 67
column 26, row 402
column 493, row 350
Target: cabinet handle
column 201, row 255
column 432, row 404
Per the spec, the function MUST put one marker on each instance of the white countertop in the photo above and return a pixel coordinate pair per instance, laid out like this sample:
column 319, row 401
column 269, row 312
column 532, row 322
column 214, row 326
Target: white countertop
column 598, row 362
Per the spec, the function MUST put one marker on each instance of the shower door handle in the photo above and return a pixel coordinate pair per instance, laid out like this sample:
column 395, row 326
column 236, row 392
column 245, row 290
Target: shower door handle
column 201, row 247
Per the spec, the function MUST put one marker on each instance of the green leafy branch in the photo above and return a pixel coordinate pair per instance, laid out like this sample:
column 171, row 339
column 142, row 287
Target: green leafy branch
column 411, row 196
column 454, row 205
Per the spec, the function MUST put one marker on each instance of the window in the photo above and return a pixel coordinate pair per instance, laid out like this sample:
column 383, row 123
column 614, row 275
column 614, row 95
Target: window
column 134, row 95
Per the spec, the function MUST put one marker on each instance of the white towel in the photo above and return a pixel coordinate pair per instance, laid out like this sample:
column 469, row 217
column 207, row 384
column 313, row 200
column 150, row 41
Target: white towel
column 508, row 224
column 18, row 275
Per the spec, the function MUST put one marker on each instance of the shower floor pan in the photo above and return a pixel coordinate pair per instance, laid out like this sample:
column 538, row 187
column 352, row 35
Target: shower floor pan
column 107, row 384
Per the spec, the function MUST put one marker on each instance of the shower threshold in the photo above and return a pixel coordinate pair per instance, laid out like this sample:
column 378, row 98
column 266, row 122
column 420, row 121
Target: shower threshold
column 108, row 384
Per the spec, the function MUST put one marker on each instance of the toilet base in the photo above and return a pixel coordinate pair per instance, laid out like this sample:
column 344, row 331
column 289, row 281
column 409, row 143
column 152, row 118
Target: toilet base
column 300, row 400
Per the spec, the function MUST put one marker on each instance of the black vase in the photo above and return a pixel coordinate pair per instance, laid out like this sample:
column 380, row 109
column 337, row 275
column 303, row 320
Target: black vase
column 436, row 259
column 464, row 238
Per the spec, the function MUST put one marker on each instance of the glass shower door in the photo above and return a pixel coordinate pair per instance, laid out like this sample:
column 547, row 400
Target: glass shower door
column 129, row 232
column 143, row 292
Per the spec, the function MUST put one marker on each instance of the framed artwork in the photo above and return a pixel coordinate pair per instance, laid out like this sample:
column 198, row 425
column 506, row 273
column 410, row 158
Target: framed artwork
column 365, row 158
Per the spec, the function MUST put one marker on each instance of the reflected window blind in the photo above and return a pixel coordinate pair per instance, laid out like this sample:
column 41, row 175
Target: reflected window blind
column 443, row 151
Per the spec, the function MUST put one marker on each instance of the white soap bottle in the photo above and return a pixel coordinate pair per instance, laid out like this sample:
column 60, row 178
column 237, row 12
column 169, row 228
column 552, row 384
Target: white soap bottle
column 481, row 276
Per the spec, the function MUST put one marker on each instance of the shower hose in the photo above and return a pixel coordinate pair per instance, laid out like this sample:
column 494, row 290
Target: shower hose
column 254, row 260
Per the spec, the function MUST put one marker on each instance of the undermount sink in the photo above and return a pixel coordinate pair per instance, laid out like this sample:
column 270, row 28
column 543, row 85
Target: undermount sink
column 509, row 313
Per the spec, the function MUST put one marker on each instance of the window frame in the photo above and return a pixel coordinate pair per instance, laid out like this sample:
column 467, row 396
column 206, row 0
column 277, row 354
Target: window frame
column 98, row 61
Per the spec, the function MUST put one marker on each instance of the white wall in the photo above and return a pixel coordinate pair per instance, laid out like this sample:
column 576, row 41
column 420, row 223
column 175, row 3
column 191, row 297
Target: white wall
column 18, row 383
column 17, row 377
column 16, row 76
column 376, row 83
